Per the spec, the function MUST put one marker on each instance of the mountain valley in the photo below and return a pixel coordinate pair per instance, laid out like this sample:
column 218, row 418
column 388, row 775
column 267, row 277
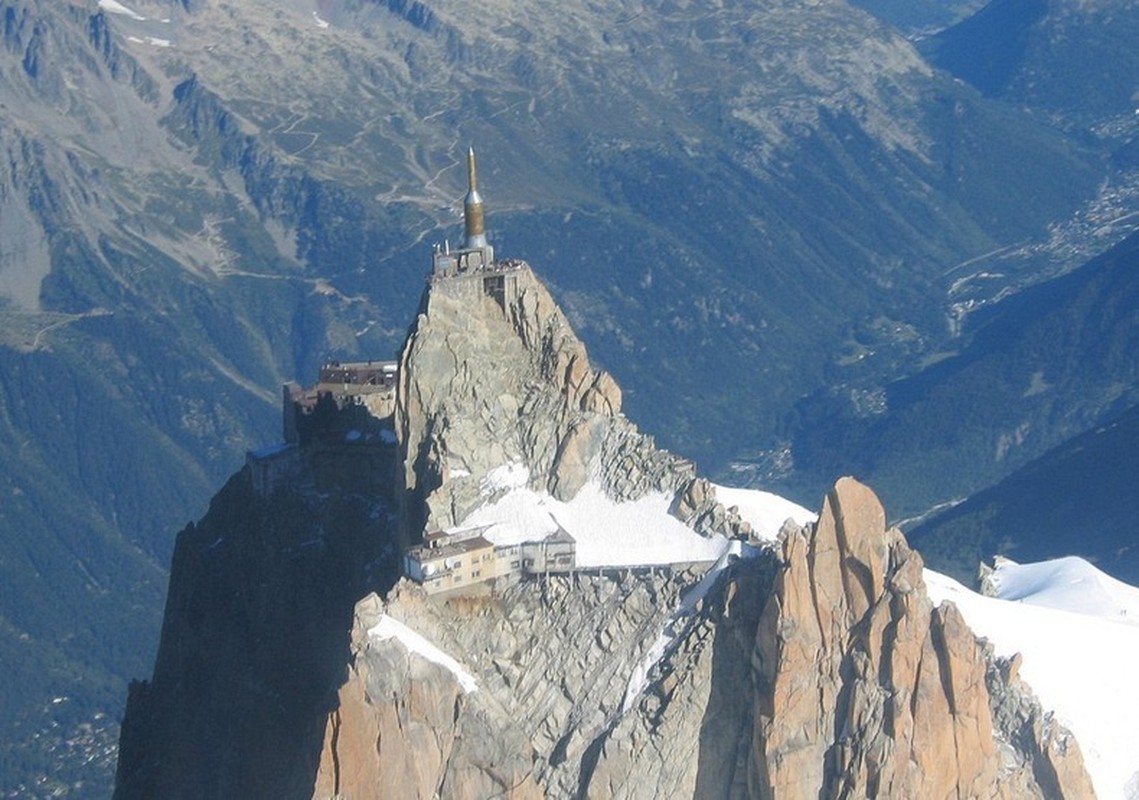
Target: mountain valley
column 801, row 248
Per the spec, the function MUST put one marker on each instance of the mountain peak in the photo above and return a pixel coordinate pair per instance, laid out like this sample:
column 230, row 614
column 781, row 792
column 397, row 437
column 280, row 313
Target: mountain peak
column 853, row 662
column 492, row 374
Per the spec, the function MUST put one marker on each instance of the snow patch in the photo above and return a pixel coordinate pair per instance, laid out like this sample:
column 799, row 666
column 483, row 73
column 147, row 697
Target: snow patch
column 608, row 533
column 151, row 40
column 1068, row 584
column 388, row 628
column 514, row 475
column 1078, row 653
column 766, row 512
column 113, row 7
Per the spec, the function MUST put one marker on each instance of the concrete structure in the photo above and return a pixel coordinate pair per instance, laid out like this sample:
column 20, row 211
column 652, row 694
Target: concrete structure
column 463, row 560
column 471, row 273
column 556, row 553
column 451, row 562
column 338, row 432
column 351, row 396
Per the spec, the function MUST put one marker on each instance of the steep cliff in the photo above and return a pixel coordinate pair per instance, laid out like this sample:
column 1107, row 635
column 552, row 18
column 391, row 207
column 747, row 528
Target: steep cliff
column 293, row 664
column 865, row 689
column 255, row 635
column 489, row 382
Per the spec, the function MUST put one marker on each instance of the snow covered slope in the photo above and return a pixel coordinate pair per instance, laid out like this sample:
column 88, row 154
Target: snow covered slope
column 388, row 628
column 765, row 511
column 1078, row 630
column 612, row 534
column 1068, row 584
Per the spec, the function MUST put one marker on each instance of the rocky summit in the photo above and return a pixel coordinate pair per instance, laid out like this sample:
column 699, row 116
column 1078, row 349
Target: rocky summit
column 489, row 381
column 865, row 689
column 296, row 662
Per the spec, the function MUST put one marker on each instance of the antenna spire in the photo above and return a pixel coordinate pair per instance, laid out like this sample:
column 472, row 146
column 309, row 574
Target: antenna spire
column 472, row 171
column 472, row 206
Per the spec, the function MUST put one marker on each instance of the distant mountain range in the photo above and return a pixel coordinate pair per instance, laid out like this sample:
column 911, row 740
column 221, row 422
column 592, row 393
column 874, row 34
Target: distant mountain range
column 1044, row 365
column 1071, row 500
column 918, row 18
column 1064, row 58
column 747, row 212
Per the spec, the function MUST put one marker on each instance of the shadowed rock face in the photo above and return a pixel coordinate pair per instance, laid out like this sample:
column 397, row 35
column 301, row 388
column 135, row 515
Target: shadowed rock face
column 866, row 690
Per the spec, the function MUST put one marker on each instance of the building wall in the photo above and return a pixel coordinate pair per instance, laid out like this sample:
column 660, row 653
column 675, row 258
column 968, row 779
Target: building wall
column 508, row 560
column 455, row 571
column 543, row 556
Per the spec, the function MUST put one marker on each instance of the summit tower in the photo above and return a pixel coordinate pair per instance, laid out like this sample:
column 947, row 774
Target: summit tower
column 474, row 221
column 476, row 253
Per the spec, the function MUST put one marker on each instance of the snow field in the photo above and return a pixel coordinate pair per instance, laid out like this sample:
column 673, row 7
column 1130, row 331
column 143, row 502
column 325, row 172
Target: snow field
column 608, row 534
column 1079, row 653
column 612, row 534
column 765, row 511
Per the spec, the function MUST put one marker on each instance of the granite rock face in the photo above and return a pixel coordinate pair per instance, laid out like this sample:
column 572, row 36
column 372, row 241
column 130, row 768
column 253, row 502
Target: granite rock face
column 399, row 722
column 816, row 667
column 486, row 385
column 866, row 690
column 552, row 660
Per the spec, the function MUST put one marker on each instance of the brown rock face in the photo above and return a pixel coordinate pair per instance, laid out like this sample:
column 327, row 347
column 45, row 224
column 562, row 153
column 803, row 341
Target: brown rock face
column 863, row 688
column 397, row 725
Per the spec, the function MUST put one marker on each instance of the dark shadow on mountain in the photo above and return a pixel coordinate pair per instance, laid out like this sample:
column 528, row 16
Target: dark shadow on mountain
column 255, row 641
column 1076, row 499
column 727, row 728
column 986, row 49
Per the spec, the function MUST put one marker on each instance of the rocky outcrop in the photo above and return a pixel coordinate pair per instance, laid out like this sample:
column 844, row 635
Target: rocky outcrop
column 864, row 689
column 1040, row 753
column 688, row 735
column 818, row 668
column 552, row 661
column 400, row 722
column 485, row 385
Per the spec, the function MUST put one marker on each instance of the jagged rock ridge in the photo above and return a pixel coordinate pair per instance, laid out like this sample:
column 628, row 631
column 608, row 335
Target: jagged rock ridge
column 820, row 670
column 485, row 385
column 865, row 689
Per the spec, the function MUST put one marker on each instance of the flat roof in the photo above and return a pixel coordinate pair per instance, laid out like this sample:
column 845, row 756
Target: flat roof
column 423, row 553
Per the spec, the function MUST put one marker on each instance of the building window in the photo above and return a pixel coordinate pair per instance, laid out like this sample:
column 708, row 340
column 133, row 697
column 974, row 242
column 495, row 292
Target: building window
column 515, row 564
column 475, row 574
